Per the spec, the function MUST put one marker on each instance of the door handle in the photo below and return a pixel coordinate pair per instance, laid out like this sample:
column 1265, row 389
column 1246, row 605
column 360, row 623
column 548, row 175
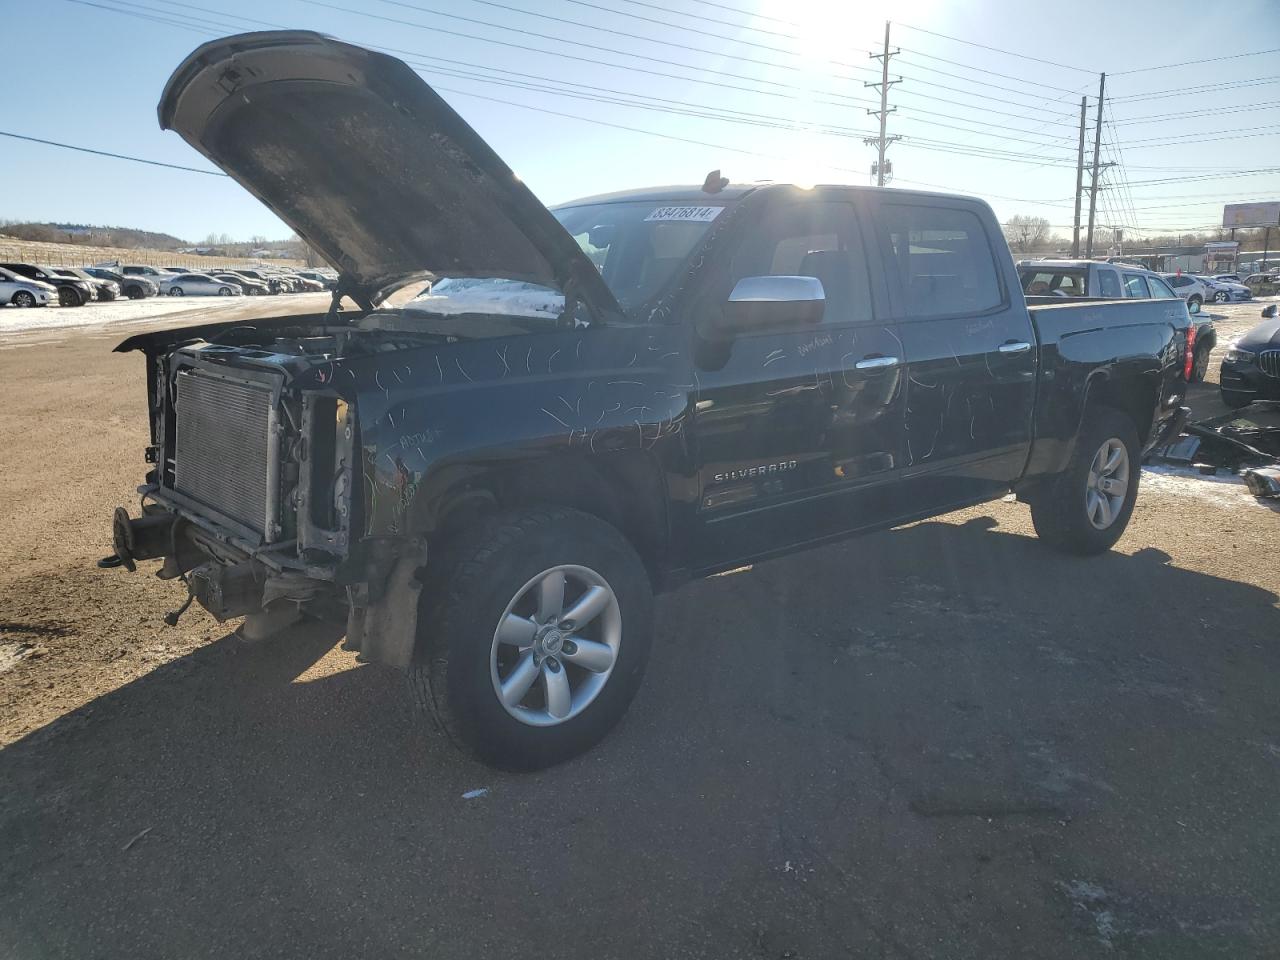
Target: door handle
column 1020, row 346
column 875, row 363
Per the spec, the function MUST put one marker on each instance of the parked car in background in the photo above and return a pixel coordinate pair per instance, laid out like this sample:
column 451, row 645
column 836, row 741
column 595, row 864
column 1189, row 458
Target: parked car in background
column 1188, row 287
column 135, row 288
column 1045, row 280
column 250, row 288
column 1263, row 284
column 154, row 274
column 305, row 284
column 1225, row 291
column 1229, row 277
column 24, row 292
column 326, row 282
column 200, row 285
column 104, row 290
column 274, row 284
column 72, row 291
column 1251, row 369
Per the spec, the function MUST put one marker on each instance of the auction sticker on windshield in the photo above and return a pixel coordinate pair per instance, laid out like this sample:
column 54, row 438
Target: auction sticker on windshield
column 691, row 214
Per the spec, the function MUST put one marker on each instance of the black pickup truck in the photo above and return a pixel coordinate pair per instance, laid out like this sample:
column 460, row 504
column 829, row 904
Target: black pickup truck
column 488, row 482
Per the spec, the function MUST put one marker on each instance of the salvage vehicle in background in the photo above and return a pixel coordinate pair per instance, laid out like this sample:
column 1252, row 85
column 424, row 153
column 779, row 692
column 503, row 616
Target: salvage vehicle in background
column 1190, row 288
column 72, row 291
column 157, row 276
column 1221, row 290
column 1251, row 369
column 133, row 287
column 326, row 282
column 24, row 292
column 200, row 285
column 274, row 284
column 250, row 288
column 1263, row 284
column 104, row 290
column 489, row 489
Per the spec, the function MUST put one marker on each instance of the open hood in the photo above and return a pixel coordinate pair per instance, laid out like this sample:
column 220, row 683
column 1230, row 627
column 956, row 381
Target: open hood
column 369, row 165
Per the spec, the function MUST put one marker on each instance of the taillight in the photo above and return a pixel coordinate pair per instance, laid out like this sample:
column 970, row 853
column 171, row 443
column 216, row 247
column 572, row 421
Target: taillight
column 1189, row 355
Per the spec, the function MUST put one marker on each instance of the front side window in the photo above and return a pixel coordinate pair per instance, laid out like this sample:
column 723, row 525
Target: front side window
column 1135, row 286
column 811, row 239
column 944, row 259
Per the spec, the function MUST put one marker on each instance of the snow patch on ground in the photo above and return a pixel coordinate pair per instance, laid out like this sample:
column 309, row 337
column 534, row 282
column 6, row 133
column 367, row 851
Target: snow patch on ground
column 15, row 320
column 1224, row 490
column 508, row 298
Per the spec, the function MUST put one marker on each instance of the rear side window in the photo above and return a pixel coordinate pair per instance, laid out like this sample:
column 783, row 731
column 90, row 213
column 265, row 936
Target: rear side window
column 1109, row 283
column 1159, row 288
column 944, row 258
column 1135, row 286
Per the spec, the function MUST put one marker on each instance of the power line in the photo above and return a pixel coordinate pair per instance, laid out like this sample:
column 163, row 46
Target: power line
column 1192, row 63
column 1220, row 87
column 115, row 156
column 983, row 46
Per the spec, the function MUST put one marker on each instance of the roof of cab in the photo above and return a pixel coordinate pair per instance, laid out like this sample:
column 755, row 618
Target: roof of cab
column 735, row 191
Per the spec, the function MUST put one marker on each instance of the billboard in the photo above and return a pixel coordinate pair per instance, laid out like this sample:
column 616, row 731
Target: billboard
column 1251, row 214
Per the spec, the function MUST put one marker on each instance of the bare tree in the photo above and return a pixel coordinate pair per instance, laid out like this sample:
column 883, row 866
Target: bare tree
column 1026, row 234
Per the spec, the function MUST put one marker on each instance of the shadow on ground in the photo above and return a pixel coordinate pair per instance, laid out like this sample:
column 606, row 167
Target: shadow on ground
column 946, row 741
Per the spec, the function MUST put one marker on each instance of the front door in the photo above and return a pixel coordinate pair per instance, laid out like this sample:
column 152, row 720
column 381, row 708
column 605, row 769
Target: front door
column 795, row 429
column 969, row 351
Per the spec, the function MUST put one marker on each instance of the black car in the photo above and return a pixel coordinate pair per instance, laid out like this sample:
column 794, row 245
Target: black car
column 537, row 444
column 133, row 287
column 72, row 291
column 104, row 290
column 273, row 283
column 1251, row 369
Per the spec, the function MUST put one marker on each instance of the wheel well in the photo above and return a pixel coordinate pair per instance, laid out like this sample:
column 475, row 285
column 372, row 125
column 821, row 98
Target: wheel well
column 1135, row 398
column 624, row 489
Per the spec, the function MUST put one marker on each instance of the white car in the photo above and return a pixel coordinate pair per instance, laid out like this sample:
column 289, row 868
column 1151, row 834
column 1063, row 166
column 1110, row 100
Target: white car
column 22, row 292
column 199, row 285
column 1189, row 288
column 1226, row 291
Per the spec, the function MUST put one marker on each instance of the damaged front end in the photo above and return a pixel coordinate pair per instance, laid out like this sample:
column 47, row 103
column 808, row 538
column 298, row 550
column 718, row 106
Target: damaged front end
column 253, row 497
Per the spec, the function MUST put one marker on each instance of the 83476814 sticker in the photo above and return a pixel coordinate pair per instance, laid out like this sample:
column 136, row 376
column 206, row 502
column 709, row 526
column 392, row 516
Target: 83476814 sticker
column 687, row 213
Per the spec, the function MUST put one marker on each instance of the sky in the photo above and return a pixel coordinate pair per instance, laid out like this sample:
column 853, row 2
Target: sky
column 587, row 96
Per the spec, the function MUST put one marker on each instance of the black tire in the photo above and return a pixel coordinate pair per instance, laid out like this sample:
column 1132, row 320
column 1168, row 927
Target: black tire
column 484, row 570
column 67, row 297
column 1234, row 400
column 1200, row 367
column 175, row 291
column 1196, row 298
column 1059, row 512
column 24, row 298
column 224, row 291
column 134, row 292
column 1221, row 296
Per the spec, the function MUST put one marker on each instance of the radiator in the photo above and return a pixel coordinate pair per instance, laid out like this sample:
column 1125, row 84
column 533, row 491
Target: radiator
column 221, row 451
column 1269, row 361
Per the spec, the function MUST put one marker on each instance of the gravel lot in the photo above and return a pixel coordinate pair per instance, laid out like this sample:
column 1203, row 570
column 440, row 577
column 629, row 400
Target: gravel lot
column 943, row 741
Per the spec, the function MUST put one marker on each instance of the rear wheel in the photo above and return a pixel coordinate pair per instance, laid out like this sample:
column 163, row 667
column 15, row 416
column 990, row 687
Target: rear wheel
column 534, row 647
column 24, row 298
column 1086, row 508
column 1196, row 298
column 1201, row 365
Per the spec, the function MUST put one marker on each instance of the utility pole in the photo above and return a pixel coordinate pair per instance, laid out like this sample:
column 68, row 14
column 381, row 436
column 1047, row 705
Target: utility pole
column 882, row 142
column 1097, row 156
column 1075, row 231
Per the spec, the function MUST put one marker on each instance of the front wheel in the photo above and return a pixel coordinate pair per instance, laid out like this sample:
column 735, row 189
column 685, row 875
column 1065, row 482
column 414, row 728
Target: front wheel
column 175, row 291
column 134, row 293
column 224, row 291
column 69, row 298
column 24, row 298
column 534, row 647
column 1221, row 296
column 1086, row 508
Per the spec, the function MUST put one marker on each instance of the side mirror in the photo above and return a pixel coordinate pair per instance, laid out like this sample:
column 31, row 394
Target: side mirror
column 1193, row 307
column 1269, row 313
column 765, row 303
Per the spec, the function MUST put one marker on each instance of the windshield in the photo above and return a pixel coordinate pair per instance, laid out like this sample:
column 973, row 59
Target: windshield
column 638, row 246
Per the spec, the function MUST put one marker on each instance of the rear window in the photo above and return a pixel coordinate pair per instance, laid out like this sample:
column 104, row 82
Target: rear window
column 1055, row 283
column 944, row 258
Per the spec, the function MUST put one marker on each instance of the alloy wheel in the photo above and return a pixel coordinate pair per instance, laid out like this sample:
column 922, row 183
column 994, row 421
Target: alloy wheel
column 556, row 645
column 1108, row 483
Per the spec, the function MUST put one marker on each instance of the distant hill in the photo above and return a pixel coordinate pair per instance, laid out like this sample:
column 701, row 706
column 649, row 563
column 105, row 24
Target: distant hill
column 88, row 235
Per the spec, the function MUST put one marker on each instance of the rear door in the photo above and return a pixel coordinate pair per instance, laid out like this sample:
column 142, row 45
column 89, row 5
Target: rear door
column 799, row 432
column 969, row 350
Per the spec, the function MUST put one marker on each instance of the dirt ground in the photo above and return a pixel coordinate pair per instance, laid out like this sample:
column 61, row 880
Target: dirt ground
column 939, row 741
